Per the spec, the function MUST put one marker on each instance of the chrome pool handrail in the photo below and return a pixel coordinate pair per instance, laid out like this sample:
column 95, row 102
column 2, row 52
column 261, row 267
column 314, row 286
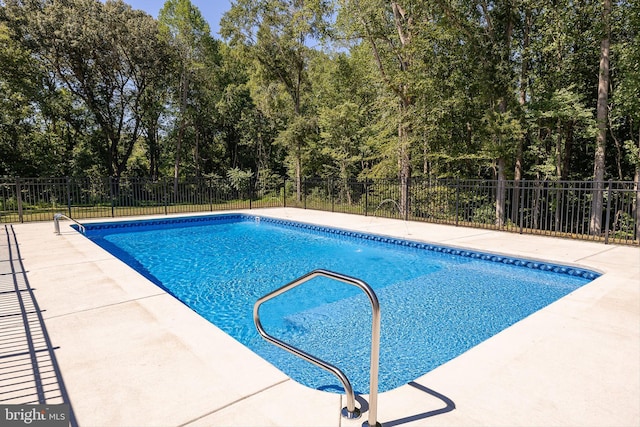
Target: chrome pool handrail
column 350, row 411
column 56, row 223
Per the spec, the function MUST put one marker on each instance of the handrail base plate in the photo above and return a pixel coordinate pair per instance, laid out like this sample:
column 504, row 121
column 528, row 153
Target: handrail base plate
column 350, row 415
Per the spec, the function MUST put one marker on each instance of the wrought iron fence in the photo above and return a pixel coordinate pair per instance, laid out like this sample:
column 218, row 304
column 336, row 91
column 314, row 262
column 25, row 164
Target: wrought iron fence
column 562, row 209
column 553, row 208
column 37, row 199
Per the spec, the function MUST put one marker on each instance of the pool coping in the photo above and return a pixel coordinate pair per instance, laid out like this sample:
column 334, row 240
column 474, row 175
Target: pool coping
column 342, row 233
column 576, row 362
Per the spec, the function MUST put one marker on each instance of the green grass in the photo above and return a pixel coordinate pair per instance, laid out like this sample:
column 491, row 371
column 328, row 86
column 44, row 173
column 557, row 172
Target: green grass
column 85, row 212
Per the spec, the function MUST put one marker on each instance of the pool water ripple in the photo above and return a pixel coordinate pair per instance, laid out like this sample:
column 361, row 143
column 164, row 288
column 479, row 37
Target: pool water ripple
column 436, row 302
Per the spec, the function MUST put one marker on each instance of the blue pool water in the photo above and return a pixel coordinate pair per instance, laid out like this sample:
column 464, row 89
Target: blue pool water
column 436, row 302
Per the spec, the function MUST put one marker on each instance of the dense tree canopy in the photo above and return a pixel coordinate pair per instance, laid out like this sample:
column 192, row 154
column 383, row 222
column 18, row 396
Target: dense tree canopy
column 350, row 89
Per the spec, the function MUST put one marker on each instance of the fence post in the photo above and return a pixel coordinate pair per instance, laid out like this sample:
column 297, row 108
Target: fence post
column 408, row 206
column 366, row 196
column 19, row 198
column 209, row 196
column 284, row 192
column 330, row 189
column 521, row 207
column 608, row 218
column 111, row 196
column 68, row 196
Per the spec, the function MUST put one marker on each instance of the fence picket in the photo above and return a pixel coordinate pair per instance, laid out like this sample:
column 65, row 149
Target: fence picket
column 555, row 208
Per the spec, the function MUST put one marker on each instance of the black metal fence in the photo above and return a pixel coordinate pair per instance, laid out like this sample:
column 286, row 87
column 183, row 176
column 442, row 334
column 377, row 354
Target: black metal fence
column 553, row 208
column 37, row 199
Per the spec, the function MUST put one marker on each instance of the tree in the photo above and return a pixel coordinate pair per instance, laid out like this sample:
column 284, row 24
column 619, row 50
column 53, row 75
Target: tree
column 274, row 34
column 595, row 224
column 624, row 118
column 40, row 124
column 242, row 129
column 388, row 29
column 106, row 55
column 189, row 34
column 344, row 149
column 498, row 21
column 19, row 84
column 469, row 89
column 559, row 117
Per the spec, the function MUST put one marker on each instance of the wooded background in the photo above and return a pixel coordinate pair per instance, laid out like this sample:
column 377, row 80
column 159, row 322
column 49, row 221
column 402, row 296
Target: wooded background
column 344, row 89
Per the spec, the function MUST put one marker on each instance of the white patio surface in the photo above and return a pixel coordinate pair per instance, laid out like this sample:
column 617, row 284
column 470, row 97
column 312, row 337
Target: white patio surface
column 132, row 355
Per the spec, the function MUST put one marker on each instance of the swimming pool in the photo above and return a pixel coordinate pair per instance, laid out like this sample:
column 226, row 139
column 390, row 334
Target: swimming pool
column 436, row 302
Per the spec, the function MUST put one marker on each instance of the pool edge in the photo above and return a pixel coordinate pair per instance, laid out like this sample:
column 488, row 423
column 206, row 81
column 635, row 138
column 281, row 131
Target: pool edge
column 591, row 257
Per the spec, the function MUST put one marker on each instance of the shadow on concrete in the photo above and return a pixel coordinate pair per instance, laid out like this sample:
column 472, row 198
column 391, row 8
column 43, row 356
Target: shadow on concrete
column 449, row 406
column 29, row 371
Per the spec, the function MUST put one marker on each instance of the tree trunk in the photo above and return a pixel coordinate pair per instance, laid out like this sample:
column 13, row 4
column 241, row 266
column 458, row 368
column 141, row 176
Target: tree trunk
column 522, row 100
column 502, row 108
column 298, row 143
column 537, row 196
column 568, row 150
column 619, row 153
column 595, row 224
column 154, row 155
column 298, row 173
column 500, row 192
column 404, row 168
column 403, row 26
column 196, row 153
column 557, row 152
column 176, row 165
column 182, row 125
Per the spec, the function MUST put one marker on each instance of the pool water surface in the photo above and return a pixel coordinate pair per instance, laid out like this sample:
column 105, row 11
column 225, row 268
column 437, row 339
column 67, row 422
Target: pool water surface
column 436, row 303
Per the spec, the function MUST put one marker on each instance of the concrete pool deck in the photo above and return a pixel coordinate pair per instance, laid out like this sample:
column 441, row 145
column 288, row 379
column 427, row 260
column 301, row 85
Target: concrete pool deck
column 129, row 354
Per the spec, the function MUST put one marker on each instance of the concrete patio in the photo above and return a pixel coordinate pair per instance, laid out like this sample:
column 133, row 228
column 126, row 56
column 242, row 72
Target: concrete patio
column 125, row 353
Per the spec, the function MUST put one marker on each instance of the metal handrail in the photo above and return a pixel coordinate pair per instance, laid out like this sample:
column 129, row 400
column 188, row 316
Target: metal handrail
column 56, row 223
column 350, row 411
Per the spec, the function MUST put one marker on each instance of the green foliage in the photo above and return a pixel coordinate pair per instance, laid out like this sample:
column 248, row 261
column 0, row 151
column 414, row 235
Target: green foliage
column 104, row 55
column 239, row 179
column 555, row 121
column 485, row 214
column 624, row 226
column 503, row 131
column 38, row 125
column 434, row 89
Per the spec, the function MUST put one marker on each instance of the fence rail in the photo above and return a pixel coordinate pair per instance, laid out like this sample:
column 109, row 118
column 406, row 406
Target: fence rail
column 555, row 208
